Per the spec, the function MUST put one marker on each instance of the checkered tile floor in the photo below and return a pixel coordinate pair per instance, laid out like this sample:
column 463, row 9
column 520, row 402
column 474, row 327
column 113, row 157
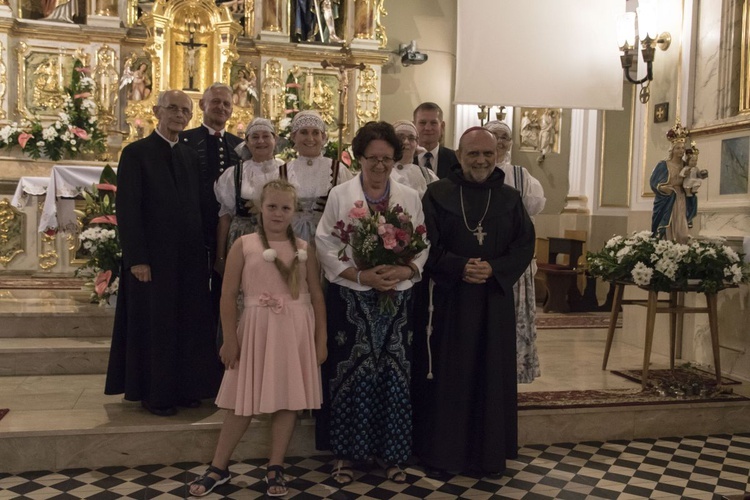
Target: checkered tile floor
column 697, row 467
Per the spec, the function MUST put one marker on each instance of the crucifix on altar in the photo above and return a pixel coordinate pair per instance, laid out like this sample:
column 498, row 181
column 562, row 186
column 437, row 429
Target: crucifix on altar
column 343, row 66
column 191, row 52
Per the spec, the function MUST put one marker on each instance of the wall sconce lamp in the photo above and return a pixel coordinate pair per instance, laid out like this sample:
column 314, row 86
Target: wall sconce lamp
column 649, row 38
column 484, row 112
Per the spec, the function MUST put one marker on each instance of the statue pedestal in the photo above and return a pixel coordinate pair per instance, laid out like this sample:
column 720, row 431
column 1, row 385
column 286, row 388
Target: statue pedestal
column 360, row 43
column 270, row 36
column 103, row 21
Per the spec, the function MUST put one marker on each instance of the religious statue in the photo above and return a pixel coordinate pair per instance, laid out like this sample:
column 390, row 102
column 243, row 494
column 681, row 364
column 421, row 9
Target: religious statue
column 47, row 91
column 692, row 176
column 191, row 55
column 329, row 15
column 673, row 211
column 315, row 19
column 530, row 130
column 292, row 95
column 63, row 12
column 548, row 133
column 323, row 101
column 138, row 79
column 243, row 89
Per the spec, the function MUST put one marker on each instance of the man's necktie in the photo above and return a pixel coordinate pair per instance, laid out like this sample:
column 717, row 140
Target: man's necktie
column 217, row 134
column 427, row 160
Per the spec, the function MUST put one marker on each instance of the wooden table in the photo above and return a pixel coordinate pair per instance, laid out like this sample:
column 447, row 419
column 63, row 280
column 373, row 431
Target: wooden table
column 673, row 306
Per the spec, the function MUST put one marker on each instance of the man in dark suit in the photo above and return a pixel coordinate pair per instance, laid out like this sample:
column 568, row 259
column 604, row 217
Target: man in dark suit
column 163, row 351
column 216, row 150
column 428, row 118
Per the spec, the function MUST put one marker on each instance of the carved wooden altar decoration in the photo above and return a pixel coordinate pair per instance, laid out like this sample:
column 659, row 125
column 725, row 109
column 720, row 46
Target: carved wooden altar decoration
column 134, row 49
column 190, row 45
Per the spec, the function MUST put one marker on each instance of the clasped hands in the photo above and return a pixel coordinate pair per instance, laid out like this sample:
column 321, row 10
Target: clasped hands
column 384, row 277
column 142, row 272
column 477, row 271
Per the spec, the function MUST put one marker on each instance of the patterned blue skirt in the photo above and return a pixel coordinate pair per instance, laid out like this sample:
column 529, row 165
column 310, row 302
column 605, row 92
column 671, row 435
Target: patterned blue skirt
column 367, row 410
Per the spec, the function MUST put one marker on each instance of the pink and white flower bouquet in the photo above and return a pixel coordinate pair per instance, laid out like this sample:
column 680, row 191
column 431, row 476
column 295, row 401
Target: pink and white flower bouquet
column 385, row 236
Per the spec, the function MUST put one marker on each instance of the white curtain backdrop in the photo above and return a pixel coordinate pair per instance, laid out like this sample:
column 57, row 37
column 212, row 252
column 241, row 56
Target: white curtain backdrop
column 539, row 53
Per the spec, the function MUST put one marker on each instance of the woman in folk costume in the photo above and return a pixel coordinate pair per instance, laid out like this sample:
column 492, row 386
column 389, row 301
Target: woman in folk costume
column 405, row 171
column 311, row 173
column 367, row 412
column 238, row 189
column 532, row 194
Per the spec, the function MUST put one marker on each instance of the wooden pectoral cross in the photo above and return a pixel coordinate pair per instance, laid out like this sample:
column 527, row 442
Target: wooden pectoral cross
column 191, row 49
column 480, row 234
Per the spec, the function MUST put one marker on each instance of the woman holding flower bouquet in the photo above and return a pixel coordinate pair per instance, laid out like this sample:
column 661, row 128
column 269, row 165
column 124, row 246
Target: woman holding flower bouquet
column 372, row 246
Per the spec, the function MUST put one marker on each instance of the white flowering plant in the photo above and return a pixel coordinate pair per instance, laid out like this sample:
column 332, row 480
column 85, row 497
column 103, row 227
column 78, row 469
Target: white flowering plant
column 75, row 131
column 100, row 239
column 666, row 265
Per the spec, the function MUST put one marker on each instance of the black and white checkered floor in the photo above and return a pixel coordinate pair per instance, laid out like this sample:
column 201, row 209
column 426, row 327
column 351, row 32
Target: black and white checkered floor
column 699, row 467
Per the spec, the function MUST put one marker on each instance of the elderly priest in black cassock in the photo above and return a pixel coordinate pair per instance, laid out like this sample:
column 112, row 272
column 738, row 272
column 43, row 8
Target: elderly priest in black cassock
column 163, row 351
column 465, row 396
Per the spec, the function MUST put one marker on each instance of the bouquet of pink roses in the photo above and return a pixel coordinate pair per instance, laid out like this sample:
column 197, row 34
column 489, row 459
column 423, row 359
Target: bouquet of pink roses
column 386, row 236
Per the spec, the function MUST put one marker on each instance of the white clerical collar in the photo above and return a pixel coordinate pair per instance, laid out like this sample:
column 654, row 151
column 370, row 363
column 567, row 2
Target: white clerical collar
column 171, row 143
column 212, row 131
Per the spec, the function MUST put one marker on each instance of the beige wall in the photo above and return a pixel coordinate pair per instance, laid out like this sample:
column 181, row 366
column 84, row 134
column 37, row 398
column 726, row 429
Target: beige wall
column 432, row 23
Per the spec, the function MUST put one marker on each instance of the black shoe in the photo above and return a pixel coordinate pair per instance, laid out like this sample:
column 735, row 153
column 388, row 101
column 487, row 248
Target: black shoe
column 435, row 473
column 165, row 411
column 189, row 403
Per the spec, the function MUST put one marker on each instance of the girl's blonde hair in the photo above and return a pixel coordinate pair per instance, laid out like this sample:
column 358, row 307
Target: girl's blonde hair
column 288, row 273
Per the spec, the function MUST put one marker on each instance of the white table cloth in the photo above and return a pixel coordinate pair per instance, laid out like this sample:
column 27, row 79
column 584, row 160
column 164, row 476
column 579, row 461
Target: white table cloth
column 65, row 183
column 28, row 187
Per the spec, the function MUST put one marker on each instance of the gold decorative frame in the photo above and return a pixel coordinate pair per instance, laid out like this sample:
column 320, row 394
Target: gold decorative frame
column 56, row 60
column 48, row 256
column 272, row 97
column 3, row 82
column 368, row 99
column 12, row 226
column 242, row 115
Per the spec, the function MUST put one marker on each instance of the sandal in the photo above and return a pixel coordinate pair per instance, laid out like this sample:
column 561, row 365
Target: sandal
column 396, row 474
column 208, row 482
column 342, row 473
column 277, row 481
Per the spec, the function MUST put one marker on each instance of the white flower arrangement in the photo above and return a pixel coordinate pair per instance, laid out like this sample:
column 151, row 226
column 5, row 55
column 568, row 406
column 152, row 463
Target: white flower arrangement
column 76, row 129
column 666, row 265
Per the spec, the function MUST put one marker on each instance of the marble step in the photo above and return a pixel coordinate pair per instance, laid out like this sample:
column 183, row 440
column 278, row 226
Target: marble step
column 52, row 313
column 65, row 421
column 53, row 355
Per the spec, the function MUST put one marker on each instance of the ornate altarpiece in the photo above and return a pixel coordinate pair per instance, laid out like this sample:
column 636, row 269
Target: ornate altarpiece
column 137, row 49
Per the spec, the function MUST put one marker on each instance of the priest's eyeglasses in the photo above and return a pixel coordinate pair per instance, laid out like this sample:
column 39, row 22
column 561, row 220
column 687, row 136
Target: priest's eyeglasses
column 174, row 109
column 387, row 161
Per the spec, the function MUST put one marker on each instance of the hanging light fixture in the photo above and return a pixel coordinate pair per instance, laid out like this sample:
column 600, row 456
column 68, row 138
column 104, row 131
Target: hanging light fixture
column 649, row 39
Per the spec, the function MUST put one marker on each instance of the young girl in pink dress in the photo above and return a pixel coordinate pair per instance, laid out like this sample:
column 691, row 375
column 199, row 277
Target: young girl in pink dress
column 272, row 363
